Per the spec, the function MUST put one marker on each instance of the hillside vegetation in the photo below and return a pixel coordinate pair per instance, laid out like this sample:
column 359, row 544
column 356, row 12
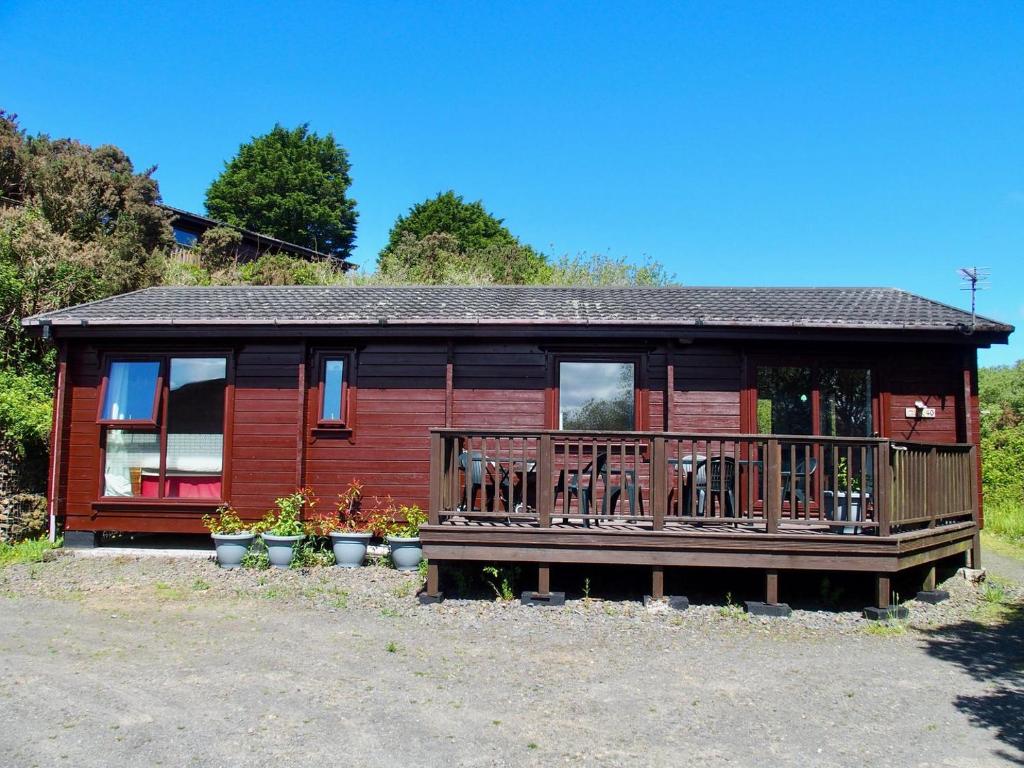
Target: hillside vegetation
column 1001, row 393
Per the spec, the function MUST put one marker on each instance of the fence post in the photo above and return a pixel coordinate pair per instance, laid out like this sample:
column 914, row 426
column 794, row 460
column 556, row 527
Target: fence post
column 973, row 485
column 659, row 491
column 773, row 485
column 931, row 487
column 886, row 489
column 437, row 479
column 545, row 490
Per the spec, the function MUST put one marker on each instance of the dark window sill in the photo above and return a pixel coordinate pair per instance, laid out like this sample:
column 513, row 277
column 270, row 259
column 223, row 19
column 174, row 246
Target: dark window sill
column 141, row 504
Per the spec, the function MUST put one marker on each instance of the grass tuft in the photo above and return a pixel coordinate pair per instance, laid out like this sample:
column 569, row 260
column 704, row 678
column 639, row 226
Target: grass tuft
column 28, row 551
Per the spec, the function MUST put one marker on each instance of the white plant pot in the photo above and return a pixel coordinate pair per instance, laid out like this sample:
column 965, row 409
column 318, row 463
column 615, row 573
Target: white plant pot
column 840, row 508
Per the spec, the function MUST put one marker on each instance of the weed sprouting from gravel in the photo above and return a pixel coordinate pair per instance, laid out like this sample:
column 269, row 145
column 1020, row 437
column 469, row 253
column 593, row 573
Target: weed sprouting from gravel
column 731, row 610
column 404, row 589
column 392, row 647
column 893, row 628
column 994, row 592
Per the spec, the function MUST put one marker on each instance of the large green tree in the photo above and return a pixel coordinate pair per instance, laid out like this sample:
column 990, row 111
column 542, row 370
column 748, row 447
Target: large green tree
column 446, row 239
column 290, row 184
column 76, row 224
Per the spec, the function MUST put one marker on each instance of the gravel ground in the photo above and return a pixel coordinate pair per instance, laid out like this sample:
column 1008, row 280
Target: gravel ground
column 147, row 661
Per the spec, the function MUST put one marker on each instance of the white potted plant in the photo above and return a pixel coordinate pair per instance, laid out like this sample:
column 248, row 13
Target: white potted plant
column 843, row 506
column 283, row 530
column 232, row 537
column 350, row 534
column 402, row 535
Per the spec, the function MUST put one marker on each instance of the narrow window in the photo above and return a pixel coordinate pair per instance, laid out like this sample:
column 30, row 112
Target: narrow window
column 596, row 396
column 131, row 393
column 332, row 406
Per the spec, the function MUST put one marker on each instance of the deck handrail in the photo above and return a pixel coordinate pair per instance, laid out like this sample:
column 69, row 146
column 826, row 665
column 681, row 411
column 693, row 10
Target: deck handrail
column 853, row 485
column 568, row 433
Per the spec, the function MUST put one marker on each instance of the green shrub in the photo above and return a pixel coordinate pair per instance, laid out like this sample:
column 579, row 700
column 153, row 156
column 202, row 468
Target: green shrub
column 1004, row 515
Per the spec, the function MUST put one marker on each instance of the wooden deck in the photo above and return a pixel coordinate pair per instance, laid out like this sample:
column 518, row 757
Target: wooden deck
column 750, row 501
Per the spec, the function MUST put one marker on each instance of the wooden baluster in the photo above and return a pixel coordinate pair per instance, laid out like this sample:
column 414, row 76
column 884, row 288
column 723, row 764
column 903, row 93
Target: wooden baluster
column 863, row 486
column 773, row 485
column 545, row 489
column 659, row 485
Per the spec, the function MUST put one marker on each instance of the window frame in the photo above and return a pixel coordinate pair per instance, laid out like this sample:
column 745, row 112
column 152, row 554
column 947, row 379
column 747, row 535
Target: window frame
column 153, row 421
column 320, row 359
column 160, row 426
column 637, row 359
column 814, row 365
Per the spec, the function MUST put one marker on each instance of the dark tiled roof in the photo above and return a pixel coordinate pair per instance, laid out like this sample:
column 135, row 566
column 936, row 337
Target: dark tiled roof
column 866, row 308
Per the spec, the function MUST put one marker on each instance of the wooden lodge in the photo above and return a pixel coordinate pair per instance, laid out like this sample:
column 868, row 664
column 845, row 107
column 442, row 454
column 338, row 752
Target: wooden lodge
column 778, row 429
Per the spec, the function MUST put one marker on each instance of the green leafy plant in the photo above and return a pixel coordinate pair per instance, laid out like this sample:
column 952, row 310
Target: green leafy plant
column 731, row 610
column 256, row 558
column 350, row 517
column 226, row 521
column 396, row 520
column 505, row 589
column 312, row 554
column 845, row 479
column 287, row 520
column 28, row 551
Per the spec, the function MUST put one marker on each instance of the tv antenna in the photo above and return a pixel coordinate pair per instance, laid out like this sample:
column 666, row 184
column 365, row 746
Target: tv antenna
column 975, row 279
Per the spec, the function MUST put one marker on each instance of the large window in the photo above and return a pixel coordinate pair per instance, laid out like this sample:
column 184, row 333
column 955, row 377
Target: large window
column 179, row 455
column 596, row 396
column 788, row 398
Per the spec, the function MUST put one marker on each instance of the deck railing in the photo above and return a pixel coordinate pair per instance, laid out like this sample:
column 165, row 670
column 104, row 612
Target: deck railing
column 655, row 480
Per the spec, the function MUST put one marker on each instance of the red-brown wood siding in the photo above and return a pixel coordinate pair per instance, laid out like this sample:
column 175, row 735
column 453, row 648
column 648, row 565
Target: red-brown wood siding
column 400, row 389
column 267, row 421
column 936, row 380
column 707, row 390
column 400, row 394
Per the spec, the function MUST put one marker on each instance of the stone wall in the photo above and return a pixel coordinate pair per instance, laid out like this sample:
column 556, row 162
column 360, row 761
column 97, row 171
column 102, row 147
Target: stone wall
column 22, row 494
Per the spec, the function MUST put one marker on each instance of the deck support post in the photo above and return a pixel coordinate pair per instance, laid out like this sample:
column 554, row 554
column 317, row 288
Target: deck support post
column 882, row 610
column 543, row 595
column 883, row 590
column 771, row 605
column 928, row 593
column 657, row 582
column 976, row 552
column 772, row 587
column 928, row 582
column 432, row 592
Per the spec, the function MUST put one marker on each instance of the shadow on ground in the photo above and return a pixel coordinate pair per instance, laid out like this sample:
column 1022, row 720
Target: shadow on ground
column 992, row 655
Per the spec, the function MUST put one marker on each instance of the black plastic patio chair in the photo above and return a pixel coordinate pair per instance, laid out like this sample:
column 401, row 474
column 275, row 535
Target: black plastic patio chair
column 794, row 483
column 723, row 475
column 474, row 466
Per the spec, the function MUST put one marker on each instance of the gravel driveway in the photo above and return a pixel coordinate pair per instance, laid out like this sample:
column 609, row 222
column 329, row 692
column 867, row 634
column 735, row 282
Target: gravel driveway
column 143, row 662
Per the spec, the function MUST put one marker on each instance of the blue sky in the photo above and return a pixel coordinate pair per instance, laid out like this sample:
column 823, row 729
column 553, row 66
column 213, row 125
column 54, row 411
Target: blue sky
column 739, row 144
